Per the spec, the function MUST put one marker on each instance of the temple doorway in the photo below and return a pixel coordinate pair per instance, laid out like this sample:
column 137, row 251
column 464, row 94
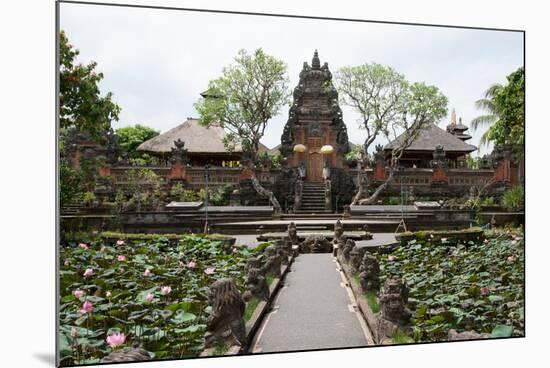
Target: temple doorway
column 315, row 167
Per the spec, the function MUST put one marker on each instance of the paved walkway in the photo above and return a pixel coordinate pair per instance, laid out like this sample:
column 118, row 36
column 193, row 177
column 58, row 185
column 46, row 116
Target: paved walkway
column 312, row 311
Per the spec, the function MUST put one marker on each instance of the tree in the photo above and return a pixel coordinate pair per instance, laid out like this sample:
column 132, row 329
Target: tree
column 80, row 102
column 423, row 105
column 242, row 101
column 247, row 95
column 491, row 114
column 130, row 137
column 510, row 104
column 82, row 111
column 504, row 111
column 374, row 91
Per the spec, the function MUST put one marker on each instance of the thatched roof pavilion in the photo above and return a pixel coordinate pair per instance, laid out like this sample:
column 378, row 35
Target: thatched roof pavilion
column 203, row 144
column 420, row 152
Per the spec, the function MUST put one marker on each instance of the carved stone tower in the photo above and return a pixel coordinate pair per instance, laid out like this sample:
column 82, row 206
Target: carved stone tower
column 315, row 137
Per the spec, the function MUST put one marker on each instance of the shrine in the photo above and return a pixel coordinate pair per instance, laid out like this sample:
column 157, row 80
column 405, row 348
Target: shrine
column 314, row 143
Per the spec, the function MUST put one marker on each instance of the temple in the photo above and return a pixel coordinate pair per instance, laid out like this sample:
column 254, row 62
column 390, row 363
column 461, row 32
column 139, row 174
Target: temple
column 420, row 153
column 314, row 144
column 314, row 175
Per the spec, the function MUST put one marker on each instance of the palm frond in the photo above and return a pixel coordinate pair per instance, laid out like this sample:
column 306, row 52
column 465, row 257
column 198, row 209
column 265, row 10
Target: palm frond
column 483, row 120
column 484, row 140
column 492, row 91
column 485, row 104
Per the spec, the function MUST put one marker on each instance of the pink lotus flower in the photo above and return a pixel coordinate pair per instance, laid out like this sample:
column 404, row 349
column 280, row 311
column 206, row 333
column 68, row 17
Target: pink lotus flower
column 149, row 297
column 484, row 291
column 165, row 290
column 121, row 258
column 78, row 293
column 103, row 248
column 432, row 236
column 87, row 307
column 392, row 258
column 83, row 245
column 486, row 241
column 108, row 294
column 443, row 240
column 116, row 339
column 147, row 272
column 511, row 259
column 73, row 332
column 191, row 264
column 89, row 272
column 119, row 242
column 513, row 242
column 209, row 270
column 66, row 263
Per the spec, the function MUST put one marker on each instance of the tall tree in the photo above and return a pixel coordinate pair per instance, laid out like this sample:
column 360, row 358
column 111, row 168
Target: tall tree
column 82, row 109
column 491, row 115
column 510, row 103
column 81, row 104
column 423, row 105
column 504, row 106
column 242, row 101
column 374, row 91
column 247, row 95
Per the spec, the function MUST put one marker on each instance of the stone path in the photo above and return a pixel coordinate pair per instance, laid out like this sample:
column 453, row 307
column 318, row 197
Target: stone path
column 313, row 310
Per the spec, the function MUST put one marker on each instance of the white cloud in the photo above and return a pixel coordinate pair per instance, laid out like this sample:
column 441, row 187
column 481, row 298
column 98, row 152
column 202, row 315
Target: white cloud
column 156, row 62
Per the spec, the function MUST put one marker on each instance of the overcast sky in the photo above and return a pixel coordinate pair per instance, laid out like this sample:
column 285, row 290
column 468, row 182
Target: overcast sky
column 156, row 62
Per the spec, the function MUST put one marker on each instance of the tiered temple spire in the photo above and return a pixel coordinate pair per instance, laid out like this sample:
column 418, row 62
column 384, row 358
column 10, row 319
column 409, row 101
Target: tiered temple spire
column 315, row 62
column 458, row 130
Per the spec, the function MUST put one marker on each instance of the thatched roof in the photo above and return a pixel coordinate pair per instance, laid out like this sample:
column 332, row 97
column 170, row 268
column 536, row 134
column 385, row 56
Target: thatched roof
column 197, row 138
column 430, row 137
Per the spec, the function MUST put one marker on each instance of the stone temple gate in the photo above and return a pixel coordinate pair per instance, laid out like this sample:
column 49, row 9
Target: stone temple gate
column 314, row 144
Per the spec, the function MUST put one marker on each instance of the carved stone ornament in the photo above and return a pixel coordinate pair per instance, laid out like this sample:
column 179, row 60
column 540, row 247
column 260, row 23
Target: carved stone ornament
column 226, row 324
column 272, row 265
column 393, row 301
column 129, row 354
column 369, row 276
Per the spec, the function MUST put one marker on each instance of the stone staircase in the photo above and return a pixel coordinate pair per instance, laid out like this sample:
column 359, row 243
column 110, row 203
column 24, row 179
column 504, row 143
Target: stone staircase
column 313, row 198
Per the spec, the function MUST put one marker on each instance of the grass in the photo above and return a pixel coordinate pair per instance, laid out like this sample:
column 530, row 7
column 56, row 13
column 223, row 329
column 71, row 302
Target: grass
column 220, row 349
column 269, row 280
column 372, row 301
column 400, row 337
column 251, row 306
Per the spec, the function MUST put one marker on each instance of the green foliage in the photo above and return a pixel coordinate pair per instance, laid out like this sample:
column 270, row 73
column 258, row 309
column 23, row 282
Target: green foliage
column 169, row 326
column 355, row 153
column 247, row 95
column 372, row 301
column 400, row 337
column 265, row 159
column 504, row 112
column 130, row 137
column 466, row 286
column 88, row 198
column 251, row 306
column 514, row 198
column 510, row 104
column 377, row 92
column 218, row 197
column 80, row 102
column 473, row 162
column 70, row 183
column 145, row 189
column 181, row 194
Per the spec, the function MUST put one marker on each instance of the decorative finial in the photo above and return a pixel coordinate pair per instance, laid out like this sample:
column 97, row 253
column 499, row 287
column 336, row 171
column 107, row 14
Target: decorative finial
column 315, row 62
column 453, row 117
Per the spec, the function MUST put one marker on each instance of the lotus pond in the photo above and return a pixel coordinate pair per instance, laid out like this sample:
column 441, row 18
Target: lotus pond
column 154, row 292
column 471, row 286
